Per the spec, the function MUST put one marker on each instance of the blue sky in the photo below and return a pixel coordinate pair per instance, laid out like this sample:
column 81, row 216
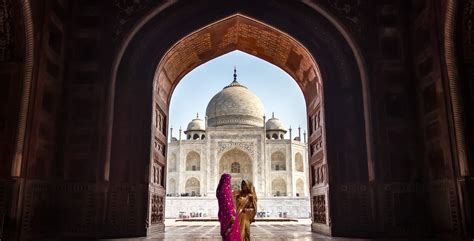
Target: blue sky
column 277, row 90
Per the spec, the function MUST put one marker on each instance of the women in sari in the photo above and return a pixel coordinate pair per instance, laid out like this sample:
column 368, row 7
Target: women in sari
column 246, row 208
column 230, row 228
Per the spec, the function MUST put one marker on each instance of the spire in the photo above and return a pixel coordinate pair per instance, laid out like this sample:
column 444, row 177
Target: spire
column 197, row 115
column 290, row 133
column 235, row 82
column 235, row 74
column 273, row 114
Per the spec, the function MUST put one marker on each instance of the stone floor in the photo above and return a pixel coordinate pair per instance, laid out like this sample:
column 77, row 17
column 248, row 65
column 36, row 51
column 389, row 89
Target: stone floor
column 183, row 231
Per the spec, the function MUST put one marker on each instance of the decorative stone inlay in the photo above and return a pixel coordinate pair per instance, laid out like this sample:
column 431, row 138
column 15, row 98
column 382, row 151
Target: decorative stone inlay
column 158, row 147
column 223, row 146
column 319, row 209
column 235, row 120
column 159, row 120
column 157, row 209
column 316, row 147
column 319, row 174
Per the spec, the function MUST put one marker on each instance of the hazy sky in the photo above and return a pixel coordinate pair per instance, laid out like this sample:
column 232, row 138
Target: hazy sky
column 277, row 90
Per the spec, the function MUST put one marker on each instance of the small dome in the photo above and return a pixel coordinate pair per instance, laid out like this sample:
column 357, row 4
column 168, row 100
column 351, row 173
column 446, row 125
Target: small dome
column 235, row 105
column 196, row 125
column 274, row 124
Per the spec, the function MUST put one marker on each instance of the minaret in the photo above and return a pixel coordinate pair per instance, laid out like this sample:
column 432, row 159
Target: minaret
column 264, row 127
column 180, row 133
column 299, row 133
column 171, row 133
column 304, row 136
column 290, row 133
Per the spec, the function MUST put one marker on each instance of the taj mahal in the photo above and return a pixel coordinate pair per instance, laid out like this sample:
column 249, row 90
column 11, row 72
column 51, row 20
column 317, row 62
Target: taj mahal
column 234, row 137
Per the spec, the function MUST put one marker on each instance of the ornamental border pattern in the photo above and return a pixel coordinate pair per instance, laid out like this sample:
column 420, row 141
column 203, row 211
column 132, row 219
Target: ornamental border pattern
column 223, row 146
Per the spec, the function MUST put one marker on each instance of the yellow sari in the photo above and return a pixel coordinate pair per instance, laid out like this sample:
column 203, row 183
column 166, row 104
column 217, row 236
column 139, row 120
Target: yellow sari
column 246, row 200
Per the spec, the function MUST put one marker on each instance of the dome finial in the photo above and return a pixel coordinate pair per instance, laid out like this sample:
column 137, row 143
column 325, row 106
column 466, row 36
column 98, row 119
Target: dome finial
column 273, row 114
column 235, row 73
column 197, row 115
column 235, row 82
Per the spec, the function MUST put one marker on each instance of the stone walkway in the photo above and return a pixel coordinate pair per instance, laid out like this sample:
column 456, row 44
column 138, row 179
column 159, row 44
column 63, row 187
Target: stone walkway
column 184, row 231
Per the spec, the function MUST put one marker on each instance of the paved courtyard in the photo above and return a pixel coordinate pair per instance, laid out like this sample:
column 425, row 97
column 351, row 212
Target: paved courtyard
column 181, row 231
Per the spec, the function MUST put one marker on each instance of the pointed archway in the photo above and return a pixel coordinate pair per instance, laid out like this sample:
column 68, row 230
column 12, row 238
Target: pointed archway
column 238, row 164
column 311, row 48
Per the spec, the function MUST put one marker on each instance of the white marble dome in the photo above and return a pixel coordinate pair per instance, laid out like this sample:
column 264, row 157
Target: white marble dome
column 274, row 124
column 196, row 125
column 235, row 105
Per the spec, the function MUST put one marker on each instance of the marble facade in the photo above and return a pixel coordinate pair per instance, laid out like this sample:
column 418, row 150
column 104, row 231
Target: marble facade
column 277, row 167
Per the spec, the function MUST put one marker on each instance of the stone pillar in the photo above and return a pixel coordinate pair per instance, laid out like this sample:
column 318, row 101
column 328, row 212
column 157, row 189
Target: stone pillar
column 299, row 133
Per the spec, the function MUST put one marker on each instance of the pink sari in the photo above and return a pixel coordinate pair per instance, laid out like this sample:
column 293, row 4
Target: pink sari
column 230, row 227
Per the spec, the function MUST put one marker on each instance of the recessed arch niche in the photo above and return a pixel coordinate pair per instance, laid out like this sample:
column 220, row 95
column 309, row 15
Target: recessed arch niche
column 238, row 164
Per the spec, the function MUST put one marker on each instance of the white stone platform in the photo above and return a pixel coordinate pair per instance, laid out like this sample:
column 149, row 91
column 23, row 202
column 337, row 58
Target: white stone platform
column 268, row 207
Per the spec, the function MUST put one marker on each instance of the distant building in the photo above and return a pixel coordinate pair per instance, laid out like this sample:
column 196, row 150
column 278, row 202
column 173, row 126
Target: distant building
column 234, row 138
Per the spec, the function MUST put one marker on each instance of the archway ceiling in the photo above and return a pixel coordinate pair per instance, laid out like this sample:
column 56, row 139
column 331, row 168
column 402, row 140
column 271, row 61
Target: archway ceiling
column 237, row 32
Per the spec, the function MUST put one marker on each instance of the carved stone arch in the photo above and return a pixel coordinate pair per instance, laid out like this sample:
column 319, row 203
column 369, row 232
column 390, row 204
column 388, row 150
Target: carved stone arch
column 314, row 33
column 192, row 186
column 123, row 188
column 299, row 187
column 224, row 146
column 193, row 161
column 279, row 187
column 299, row 165
column 278, row 161
column 228, row 164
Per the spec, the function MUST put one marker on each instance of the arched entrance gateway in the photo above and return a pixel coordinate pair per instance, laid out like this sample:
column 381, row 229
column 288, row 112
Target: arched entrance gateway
column 392, row 160
column 312, row 48
column 238, row 164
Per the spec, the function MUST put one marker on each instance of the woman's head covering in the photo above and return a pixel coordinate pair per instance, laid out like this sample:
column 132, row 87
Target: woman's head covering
column 250, row 188
column 227, row 211
column 224, row 182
